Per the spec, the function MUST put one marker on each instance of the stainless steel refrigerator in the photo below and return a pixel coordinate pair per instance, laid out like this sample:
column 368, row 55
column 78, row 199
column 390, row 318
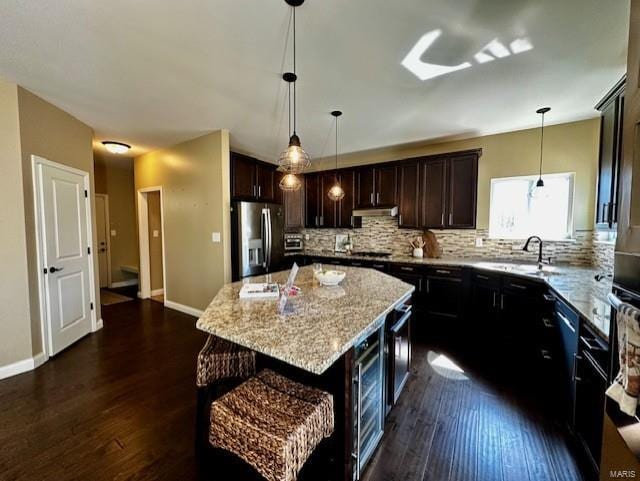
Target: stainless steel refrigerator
column 257, row 238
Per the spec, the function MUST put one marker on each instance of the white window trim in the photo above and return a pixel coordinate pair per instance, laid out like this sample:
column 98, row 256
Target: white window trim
column 571, row 208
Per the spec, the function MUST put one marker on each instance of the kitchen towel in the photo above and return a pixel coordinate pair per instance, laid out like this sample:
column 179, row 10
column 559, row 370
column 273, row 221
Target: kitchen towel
column 626, row 387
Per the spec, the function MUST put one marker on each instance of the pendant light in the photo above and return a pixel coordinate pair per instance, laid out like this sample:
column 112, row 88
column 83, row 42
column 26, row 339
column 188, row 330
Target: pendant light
column 541, row 111
column 293, row 160
column 289, row 182
column 336, row 192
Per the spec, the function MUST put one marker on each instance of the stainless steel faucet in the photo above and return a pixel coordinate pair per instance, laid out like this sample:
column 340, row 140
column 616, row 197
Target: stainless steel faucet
column 526, row 249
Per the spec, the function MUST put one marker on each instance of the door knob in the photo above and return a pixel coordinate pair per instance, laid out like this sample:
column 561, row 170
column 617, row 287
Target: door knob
column 55, row 269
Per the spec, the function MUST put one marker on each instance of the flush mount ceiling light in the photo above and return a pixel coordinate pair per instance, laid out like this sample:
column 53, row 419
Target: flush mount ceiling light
column 293, row 160
column 116, row 147
column 336, row 192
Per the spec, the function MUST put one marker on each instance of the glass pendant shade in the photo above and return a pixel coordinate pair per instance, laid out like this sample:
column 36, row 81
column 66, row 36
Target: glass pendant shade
column 290, row 183
column 336, row 192
column 294, row 159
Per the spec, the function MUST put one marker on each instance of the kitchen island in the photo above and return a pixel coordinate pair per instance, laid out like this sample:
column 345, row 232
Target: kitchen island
column 323, row 342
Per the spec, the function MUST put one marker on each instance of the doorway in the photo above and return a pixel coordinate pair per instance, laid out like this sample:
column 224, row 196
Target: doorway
column 151, row 235
column 63, row 230
column 104, row 249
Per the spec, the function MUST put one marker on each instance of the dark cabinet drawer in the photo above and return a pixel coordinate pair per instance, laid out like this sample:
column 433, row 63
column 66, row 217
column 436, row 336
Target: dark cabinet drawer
column 448, row 272
column 521, row 286
column 402, row 268
column 486, row 278
column 415, row 279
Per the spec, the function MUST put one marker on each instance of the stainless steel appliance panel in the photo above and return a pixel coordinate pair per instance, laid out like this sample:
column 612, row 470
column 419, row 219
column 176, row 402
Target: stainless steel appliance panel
column 258, row 231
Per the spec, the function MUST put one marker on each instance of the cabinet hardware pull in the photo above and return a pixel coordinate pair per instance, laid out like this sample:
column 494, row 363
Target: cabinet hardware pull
column 316, row 221
column 428, row 286
column 546, row 355
column 377, row 197
column 518, row 286
column 351, row 221
column 450, row 218
column 378, row 266
column 495, row 294
column 502, row 302
column 567, row 322
column 590, row 346
column 576, row 378
column 400, row 219
column 442, row 219
column 371, row 198
column 480, row 276
column 549, row 297
column 547, row 322
column 442, row 271
column 321, row 220
column 410, row 269
column 259, row 191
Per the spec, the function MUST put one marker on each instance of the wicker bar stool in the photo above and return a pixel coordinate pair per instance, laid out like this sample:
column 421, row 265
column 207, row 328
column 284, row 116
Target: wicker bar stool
column 222, row 365
column 272, row 423
column 221, row 359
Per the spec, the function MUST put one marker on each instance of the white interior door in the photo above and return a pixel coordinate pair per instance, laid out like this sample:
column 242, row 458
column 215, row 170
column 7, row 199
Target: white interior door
column 102, row 230
column 64, row 237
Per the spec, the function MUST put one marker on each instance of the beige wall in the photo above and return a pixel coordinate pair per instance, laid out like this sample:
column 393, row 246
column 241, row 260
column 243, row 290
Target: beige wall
column 196, row 201
column 15, row 316
column 571, row 147
column 51, row 133
column 114, row 177
column 155, row 243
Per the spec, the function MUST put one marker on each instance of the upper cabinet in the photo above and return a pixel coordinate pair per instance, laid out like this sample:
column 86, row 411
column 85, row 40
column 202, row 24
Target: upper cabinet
column 321, row 211
column 293, row 202
column 462, row 185
column 376, row 186
column 409, row 195
column 449, row 191
column 252, row 179
column 611, row 125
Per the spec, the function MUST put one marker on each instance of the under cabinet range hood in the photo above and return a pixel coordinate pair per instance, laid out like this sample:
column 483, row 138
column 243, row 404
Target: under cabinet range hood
column 376, row 212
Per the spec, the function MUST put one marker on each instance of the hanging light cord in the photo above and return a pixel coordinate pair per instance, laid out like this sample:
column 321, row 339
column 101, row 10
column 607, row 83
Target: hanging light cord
column 541, row 144
column 336, row 171
column 289, row 131
column 294, row 70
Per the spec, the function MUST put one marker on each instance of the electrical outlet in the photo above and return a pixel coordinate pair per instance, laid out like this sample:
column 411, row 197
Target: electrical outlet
column 215, row 237
column 306, row 237
column 156, row 233
column 113, row 232
column 479, row 242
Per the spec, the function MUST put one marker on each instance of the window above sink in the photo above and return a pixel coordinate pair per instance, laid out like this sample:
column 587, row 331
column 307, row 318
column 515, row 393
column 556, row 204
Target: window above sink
column 519, row 209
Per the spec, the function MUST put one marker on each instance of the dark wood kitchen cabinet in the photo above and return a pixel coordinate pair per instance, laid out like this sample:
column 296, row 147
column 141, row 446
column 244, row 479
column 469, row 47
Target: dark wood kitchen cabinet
column 252, row 179
column 376, row 186
column 321, row 211
column 293, row 202
column 409, row 195
column 449, row 191
column 434, row 182
column 444, row 292
column 611, row 109
column 312, row 202
column 462, row 186
column 348, row 202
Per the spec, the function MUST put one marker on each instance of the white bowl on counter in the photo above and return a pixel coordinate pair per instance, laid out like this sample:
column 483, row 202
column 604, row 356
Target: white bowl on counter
column 330, row 278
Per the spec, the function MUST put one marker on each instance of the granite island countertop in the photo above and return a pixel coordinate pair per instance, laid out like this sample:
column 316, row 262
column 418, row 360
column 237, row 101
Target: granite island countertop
column 577, row 285
column 324, row 324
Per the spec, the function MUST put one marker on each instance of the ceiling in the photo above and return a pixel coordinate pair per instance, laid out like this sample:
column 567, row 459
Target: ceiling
column 153, row 73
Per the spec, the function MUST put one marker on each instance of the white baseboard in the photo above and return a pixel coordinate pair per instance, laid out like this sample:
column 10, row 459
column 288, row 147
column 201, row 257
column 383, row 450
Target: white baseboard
column 182, row 308
column 157, row 292
column 99, row 325
column 130, row 282
column 22, row 366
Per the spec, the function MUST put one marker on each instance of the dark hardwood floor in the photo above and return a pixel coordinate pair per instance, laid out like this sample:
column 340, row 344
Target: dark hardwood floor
column 120, row 404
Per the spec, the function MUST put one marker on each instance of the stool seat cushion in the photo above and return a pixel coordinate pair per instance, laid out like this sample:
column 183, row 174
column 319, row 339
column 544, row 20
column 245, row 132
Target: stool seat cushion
column 220, row 359
column 272, row 423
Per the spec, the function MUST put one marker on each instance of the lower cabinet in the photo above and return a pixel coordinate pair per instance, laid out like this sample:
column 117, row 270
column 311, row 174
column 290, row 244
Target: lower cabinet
column 443, row 292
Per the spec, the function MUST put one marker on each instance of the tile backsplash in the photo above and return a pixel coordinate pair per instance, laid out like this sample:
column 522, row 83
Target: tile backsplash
column 383, row 234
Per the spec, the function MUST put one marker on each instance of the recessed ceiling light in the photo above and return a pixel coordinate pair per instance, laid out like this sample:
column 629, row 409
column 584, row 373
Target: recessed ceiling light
column 116, row 147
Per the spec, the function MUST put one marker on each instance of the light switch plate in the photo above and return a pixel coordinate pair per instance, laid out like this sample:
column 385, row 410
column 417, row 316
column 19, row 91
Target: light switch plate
column 113, row 232
column 156, row 233
column 479, row 242
column 215, row 237
column 306, row 237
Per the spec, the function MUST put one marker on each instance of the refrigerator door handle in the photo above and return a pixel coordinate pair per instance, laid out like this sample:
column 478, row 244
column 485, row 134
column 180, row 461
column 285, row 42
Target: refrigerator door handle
column 264, row 220
column 269, row 243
